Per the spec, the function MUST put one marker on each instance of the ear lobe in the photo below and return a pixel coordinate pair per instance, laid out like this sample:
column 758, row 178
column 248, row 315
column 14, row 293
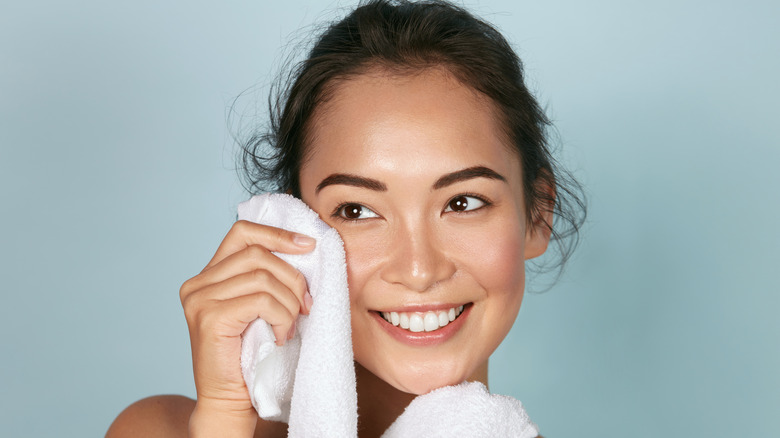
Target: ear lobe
column 537, row 235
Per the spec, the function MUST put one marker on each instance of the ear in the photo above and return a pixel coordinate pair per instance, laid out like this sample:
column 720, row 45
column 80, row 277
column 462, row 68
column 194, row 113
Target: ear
column 537, row 235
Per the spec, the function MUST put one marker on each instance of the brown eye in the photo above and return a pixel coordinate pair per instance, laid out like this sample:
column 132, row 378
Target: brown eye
column 355, row 212
column 463, row 203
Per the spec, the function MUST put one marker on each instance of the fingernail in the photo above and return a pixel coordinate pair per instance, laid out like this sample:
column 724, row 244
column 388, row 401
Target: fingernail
column 304, row 241
column 307, row 301
column 291, row 333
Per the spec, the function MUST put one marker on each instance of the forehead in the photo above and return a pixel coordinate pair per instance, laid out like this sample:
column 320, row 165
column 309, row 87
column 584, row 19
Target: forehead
column 427, row 122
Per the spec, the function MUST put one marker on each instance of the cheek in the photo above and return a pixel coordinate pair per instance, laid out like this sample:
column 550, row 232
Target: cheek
column 494, row 258
column 505, row 272
column 364, row 255
column 504, row 280
column 498, row 267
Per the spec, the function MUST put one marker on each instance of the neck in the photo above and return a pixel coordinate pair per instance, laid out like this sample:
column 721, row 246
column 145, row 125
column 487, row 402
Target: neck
column 379, row 403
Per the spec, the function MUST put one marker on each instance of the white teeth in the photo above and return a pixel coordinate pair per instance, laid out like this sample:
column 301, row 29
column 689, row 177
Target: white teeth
column 403, row 321
column 418, row 322
column 431, row 322
column 443, row 320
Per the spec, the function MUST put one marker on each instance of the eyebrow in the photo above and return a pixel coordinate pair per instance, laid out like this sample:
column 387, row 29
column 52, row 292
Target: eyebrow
column 467, row 174
column 444, row 181
column 351, row 180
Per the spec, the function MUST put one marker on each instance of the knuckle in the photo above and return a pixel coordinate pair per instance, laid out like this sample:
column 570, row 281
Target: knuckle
column 266, row 301
column 300, row 281
column 263, row 300
column 256, row 252
column 240, row 227
column 261, row 276
column 186, row 289
column 188, row 303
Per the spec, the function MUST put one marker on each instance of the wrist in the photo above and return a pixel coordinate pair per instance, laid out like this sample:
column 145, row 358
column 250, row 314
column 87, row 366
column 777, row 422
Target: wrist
column 215, row 418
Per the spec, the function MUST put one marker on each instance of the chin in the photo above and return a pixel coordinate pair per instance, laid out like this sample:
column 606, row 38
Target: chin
column 424, row 379
column 424, row 386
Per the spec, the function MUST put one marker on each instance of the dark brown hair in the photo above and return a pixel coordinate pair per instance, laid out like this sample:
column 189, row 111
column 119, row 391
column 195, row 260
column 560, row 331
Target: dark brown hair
column 406, row 37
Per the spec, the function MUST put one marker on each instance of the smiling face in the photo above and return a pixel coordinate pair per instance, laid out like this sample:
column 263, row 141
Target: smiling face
column 413, row 172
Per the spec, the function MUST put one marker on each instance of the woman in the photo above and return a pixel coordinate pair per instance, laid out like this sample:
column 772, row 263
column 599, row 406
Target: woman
column 410, row 131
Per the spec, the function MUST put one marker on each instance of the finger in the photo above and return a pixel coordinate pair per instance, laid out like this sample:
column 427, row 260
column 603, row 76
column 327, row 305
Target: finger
column 247, row 283
column 244, row 233
column 231, row 317
column 249, row 259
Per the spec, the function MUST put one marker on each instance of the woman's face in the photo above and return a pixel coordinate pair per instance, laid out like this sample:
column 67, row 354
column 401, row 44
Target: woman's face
column 414, row 174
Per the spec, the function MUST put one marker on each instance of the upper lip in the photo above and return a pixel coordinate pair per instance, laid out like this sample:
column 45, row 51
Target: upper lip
column 422, row 308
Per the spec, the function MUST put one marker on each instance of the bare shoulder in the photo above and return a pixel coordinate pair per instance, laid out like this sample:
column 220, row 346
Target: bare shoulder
column 157, row 416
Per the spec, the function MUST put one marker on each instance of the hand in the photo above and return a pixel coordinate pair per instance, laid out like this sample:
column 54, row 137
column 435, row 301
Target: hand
column 242, row 282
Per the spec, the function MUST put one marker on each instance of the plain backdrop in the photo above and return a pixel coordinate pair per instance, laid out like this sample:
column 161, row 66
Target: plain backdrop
column 117, row 181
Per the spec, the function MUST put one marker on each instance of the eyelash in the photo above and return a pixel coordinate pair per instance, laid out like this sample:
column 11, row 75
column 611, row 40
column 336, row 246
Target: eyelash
column 485, row 203
column 337, row 212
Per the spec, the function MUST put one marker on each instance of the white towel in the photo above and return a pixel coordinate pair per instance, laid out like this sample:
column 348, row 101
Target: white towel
column 467, row 410
column 310, row 381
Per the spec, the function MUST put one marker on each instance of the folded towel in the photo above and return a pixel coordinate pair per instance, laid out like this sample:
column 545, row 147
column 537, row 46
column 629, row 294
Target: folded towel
column 468, row 410
column 310, row 381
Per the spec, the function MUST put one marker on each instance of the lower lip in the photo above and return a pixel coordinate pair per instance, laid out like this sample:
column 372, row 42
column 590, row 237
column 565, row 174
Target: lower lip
column 424, row 339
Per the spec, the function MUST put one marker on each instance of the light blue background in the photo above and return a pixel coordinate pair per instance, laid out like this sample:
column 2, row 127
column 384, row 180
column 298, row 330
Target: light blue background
column 117, row 184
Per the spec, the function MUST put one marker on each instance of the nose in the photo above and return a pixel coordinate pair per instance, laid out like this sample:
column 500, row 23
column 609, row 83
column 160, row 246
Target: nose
column 418, row 259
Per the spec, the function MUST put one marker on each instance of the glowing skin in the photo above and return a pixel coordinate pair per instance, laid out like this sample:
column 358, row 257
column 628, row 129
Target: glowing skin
column 416, row 244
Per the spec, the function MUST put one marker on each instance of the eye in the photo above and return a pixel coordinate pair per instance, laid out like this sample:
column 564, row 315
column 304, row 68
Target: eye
column 463, row 203
column 354, row 212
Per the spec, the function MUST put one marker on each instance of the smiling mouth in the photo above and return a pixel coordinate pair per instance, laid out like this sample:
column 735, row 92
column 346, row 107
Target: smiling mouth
column 417, row 322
